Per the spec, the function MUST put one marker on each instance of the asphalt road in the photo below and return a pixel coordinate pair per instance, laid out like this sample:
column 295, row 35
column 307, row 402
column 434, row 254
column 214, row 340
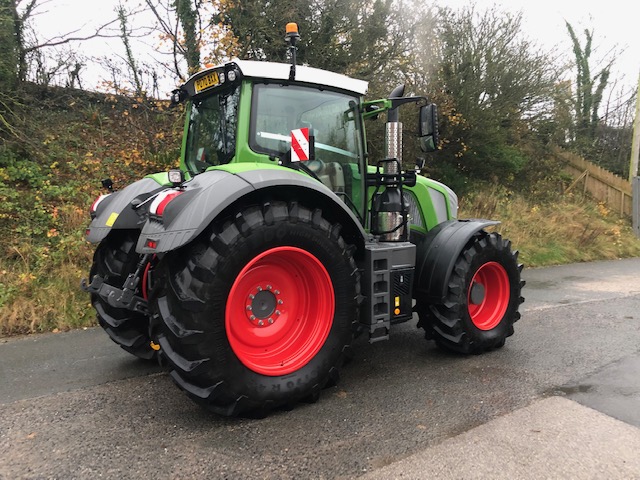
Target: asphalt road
column 73, row 405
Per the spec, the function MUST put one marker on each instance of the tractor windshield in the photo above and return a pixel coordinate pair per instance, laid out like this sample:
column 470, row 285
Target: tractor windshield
column 211, row 137
column 334, row 121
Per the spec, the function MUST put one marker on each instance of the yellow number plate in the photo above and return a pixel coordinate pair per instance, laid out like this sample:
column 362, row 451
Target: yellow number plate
column 208, row 81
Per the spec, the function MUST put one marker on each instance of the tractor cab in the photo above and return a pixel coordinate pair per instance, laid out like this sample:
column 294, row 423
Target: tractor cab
column 255, row 112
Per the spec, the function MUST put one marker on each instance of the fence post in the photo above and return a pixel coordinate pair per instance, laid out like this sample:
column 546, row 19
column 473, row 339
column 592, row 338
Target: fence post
column 636, row 206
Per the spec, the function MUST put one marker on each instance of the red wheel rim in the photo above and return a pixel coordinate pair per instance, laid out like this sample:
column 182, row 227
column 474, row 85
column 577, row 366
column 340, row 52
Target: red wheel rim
column 488, row 296
column 279, row 311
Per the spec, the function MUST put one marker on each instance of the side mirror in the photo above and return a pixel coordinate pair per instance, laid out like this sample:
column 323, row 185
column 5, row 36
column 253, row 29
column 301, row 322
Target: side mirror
column 428, row 128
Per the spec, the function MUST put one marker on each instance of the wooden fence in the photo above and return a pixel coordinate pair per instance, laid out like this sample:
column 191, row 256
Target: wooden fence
column 598, row 183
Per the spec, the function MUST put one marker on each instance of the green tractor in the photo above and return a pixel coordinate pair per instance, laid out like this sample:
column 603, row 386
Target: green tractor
column 250, row 270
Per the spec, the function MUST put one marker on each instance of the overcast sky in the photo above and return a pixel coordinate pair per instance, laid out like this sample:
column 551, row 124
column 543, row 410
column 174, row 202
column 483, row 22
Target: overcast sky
column 614, row 23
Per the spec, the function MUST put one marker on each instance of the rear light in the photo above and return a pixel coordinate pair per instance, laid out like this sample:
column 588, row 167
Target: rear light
column 162, row 200
column 96, row 202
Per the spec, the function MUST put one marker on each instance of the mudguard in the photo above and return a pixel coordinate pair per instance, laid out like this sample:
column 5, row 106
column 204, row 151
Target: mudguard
column 116, row 212
column 437, row 253
column 209, row 193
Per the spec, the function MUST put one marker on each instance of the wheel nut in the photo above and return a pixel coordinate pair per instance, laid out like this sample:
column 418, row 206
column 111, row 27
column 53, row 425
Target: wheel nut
column 269, row 287
column 280, row 302
column 252, row 296
column 252, row 317
column 248, row 307
column 278, row 312
column 270, row 321
column 260, row 322
column 277, row 292
column 259, row 289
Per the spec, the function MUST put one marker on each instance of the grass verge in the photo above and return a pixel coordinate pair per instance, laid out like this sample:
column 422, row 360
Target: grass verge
column 568, row 229
column 40, row 291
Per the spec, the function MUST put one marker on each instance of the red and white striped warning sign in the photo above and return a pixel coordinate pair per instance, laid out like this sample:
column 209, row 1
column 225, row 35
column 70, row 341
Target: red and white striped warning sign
column 300, row 145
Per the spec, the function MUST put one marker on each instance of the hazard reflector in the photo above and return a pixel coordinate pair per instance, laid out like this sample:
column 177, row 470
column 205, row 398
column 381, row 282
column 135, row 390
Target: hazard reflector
column 300, row 145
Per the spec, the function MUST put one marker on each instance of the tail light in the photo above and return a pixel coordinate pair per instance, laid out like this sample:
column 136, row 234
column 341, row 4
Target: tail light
column 162, row 200
column 96, row 202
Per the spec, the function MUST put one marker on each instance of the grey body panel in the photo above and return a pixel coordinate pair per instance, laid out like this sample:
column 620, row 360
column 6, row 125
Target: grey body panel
column 381, row 260
column 119, row 203
column 209, row 193
column 437, row 253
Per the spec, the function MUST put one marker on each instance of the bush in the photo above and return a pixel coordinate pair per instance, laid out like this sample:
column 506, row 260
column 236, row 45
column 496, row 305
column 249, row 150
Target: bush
column 50, row 172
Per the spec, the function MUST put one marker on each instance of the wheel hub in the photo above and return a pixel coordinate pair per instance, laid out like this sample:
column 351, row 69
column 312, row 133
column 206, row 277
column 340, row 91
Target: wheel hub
column 262, row 306
column 293, row 298
column 488, row 296
column 477, row 293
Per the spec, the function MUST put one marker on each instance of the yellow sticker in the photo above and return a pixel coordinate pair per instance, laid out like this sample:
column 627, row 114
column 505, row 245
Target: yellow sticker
column 397, row 299
column 112, row 219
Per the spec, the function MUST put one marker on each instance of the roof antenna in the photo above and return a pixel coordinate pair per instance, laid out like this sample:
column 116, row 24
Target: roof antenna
column 292, row 38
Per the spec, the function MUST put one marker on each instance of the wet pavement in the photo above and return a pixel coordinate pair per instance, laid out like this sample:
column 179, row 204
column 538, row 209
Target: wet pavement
column 560, row 400
column 554, row 438
column 614, row 390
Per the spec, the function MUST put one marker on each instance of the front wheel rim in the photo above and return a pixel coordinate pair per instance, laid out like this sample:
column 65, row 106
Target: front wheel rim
column 279, row 311
column 488, row 296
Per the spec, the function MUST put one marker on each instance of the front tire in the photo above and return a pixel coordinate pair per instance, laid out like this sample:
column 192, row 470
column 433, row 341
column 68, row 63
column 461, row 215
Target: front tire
column 259, row 311
column 482, row 300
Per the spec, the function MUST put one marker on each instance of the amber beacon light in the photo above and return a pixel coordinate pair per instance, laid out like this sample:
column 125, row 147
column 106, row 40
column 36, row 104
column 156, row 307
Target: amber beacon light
column 291, row 28
column 292, row 37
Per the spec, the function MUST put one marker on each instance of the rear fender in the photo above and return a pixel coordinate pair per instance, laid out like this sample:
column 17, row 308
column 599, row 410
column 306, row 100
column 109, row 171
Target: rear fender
column 116, row 212
column 437, row 253
column 210, row 193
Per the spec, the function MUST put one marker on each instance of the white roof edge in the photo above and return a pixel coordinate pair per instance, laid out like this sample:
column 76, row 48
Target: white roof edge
column 316, row 76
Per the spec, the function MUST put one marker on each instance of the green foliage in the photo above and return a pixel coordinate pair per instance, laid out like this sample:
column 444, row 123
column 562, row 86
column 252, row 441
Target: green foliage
column 588, row 90
column 8, row 47
column 493, row 81
column 50, row 172
column 603, row 138
column 187, row 16
column 22, row 185
column 356, row 37
column 125, row 34
column 14, row 18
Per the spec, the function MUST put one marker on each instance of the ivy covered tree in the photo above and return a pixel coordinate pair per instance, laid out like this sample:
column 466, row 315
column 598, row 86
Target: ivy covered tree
column 588, row 91
column 180, row 23
column 130, row 58
column 9, row 60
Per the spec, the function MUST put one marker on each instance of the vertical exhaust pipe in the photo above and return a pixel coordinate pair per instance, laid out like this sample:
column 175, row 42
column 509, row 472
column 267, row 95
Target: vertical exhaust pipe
column 389, row 204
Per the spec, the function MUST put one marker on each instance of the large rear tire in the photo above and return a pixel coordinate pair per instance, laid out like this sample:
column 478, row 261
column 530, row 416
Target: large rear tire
column 482, row 299
column 259, row 311
column 114, row 259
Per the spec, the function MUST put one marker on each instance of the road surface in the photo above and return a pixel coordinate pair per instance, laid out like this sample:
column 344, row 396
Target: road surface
column 561, row 399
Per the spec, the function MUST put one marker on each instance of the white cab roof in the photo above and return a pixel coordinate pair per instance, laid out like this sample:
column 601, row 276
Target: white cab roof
column 280, row 71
